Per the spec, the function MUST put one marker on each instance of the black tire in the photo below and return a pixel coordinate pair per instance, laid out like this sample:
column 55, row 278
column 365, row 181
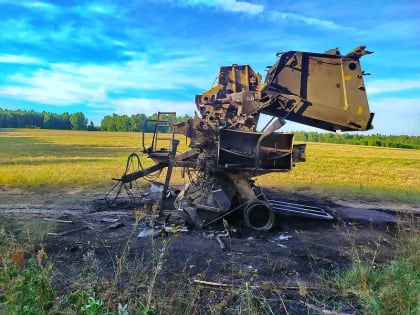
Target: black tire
column 258, row 216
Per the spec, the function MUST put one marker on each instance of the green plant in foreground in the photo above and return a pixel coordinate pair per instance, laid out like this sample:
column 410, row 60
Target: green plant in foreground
column 392, row 288
column 94, row 306
column 27, row 290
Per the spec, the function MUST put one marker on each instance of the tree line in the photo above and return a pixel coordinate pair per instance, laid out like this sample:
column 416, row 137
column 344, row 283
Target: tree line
column 402, row 141
column 78, row 121
column 136, row 123
column 44, row 120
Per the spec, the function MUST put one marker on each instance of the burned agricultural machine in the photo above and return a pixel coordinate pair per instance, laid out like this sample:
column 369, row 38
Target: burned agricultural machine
column 323, row 90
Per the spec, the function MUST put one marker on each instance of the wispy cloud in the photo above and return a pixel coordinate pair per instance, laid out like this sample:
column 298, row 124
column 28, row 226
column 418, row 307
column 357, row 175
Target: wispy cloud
column 97, row 8
column 86, row 24
column 39, row 5
column 18, row 30
column 401, row 115
column 392, row 85
column 20, row 59
column 311, row 21
column 36, row 5
column 226, row 5
column 63, row 84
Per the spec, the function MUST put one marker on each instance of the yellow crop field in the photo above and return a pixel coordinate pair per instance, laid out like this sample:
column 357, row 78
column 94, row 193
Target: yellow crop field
column 54, row 160
column 367, row 171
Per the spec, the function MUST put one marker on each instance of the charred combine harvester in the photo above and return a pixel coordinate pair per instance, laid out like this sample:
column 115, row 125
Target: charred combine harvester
column 225, row 151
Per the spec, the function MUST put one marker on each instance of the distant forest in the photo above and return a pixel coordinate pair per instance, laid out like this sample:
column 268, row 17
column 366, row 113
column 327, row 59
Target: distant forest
column 44, row 120
column 402, row 141
column 135, row 123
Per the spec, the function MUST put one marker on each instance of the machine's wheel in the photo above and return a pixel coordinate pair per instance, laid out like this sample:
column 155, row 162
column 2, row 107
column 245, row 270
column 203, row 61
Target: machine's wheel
column 258, row 216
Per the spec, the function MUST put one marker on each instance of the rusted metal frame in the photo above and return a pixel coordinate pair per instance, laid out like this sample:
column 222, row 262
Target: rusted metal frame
column 136, row 175
column 157, row 121
column 274, row 125
column 186, row 155
column 169, row 171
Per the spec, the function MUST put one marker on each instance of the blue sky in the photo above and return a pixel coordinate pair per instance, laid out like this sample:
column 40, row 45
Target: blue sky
column 143, row 56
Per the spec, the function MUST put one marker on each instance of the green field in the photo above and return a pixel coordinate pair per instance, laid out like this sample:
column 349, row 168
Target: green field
column 44, row 160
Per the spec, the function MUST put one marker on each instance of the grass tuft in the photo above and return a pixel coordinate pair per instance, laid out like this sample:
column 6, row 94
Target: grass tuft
column 387, row 288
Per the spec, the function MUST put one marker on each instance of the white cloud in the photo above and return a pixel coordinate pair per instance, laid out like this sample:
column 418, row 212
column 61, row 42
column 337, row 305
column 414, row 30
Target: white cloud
column 20, row 59
column 326, row 24
column 83, row 9
column 100, row 8
column 227, row 5
column 49, row 91
column 18, row 30
column 396, row 115
column 87, row 29
column 64, row 84
column 391, row 85
column 97, row 8
column 38, row 5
